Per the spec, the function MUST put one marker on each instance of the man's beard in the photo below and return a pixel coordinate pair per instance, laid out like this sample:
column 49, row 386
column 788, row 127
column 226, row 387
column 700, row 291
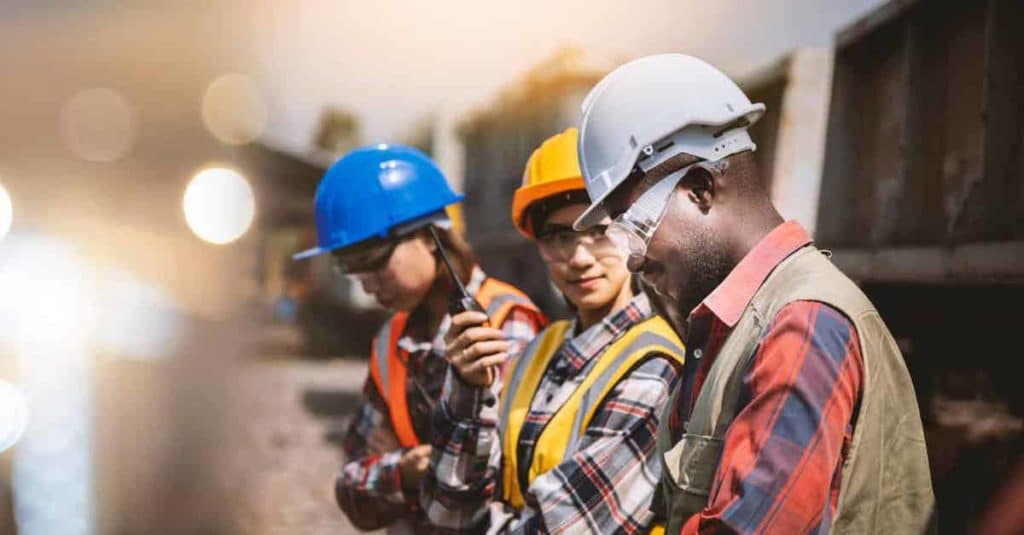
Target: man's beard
column 708, row 265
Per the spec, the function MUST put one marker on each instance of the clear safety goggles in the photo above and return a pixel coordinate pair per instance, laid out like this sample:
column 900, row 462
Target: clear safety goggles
column 560, row 245
column 632, row 230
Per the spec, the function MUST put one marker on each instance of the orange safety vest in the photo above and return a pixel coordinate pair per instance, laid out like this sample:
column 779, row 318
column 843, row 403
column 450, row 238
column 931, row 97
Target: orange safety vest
column 387, row 360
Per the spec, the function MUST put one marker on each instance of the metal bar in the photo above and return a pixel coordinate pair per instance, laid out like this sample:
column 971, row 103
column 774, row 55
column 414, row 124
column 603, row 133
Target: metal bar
column 976, row 262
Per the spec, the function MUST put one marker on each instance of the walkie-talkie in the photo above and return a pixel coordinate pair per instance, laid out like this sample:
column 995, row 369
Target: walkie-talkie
column 461, row 300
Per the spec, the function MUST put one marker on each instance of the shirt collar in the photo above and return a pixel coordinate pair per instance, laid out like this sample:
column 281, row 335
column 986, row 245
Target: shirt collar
column 730, row 298
column 582, row 348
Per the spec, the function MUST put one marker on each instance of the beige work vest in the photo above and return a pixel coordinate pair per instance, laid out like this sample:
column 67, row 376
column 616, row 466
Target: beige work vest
column 886, row 485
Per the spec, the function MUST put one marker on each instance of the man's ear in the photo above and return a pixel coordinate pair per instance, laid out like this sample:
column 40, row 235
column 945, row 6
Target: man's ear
column 699, row 186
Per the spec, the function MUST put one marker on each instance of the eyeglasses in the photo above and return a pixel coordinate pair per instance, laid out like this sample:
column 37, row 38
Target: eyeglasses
column 366, row 261
column 559, row 244
column 631, row 231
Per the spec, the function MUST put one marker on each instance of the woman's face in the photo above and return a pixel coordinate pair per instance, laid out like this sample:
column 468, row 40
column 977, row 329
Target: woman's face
column 404, row 278
column 586, row 267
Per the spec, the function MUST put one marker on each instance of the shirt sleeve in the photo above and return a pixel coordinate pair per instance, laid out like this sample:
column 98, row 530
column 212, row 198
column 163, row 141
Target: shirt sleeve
column 465, row 461
column 369, row 488
column 783, row 453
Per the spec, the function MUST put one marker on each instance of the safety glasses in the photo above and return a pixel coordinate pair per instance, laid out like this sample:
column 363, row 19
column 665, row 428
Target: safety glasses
column 559, row 244
column 632, row 230
column 369, row 260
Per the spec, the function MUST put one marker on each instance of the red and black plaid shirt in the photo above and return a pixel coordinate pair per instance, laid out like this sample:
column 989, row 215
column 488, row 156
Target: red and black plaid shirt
column 783, row 454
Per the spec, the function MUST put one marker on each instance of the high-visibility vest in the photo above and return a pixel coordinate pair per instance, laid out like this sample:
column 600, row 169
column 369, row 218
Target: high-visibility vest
column 559, row 439
column 388, row 361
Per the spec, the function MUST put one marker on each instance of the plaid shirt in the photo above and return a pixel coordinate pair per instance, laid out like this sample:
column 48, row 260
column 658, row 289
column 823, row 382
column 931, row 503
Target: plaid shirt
column 783, row 454
column 605, row 486
column 369, row 488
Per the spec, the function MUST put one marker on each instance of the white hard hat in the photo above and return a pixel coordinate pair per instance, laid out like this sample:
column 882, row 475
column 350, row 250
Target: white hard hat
column 651, row 109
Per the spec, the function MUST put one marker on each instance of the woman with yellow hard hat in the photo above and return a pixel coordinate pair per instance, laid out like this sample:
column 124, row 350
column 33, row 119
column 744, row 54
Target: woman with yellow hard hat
column 567, row 445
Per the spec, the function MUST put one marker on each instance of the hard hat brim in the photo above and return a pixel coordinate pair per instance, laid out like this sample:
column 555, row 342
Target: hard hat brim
column 595, row 213
column 526, row 196
column 439, row 219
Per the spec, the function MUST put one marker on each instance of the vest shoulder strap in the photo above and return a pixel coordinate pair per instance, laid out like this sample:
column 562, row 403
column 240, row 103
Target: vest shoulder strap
column 388, row 371
column 499, row 298
column 651, row 336
column 516, row 396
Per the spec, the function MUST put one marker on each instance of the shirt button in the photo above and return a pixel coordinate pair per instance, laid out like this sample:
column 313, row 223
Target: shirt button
column 698, row 353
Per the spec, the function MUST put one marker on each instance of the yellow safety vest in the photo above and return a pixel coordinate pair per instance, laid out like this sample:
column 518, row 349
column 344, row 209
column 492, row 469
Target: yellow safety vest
column 560, row 437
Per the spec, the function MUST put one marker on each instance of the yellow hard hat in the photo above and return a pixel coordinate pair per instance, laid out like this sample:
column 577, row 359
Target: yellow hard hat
column 553, row 168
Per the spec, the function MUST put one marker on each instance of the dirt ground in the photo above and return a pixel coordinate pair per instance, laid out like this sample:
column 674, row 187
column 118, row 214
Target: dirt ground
column 281, row 476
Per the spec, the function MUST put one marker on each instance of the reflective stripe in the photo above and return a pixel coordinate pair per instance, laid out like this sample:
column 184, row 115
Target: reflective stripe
column 381, row 353
column 498, row 299
column 501, row 301
column 515, row 400
column 648, row 341
column 387, row 368
column 522, row 364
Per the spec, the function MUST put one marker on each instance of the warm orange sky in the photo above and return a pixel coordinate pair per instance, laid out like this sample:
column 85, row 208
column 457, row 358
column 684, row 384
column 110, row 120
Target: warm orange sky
column 394, row 61
column 391, row 62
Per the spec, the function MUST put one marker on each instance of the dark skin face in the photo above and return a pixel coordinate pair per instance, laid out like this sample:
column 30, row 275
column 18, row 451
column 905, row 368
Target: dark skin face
column 711, row 222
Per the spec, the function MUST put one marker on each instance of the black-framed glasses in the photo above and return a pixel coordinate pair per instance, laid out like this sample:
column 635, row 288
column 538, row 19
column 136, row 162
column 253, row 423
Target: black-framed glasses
column 368, row 260
column 559, row 244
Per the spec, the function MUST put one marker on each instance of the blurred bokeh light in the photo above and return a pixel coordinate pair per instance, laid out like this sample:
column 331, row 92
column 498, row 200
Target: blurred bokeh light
column 6, row 212
column 98, row 125
column 47, row 310
column 219, row 205
column 234, row 110
column 13, row 415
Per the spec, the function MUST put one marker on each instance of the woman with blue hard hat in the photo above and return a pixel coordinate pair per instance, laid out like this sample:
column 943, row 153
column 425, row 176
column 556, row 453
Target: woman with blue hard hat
column 380, row 212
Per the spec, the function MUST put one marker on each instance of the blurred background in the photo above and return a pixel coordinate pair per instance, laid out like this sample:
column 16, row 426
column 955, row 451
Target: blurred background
column 177, row 373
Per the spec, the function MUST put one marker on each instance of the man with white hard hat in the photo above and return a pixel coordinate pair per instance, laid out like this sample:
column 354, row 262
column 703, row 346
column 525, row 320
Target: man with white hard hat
column 796, row 413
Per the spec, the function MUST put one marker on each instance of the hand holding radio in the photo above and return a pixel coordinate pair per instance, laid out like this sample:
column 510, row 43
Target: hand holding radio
column 475, row 349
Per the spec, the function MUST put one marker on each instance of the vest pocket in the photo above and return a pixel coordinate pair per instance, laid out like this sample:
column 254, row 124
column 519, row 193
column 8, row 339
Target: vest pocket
column 691, row 464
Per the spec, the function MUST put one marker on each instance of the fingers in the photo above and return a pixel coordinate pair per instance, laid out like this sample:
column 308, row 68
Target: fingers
column 478, row 350
column 482, row 365
column 468, row 318
column 463, row 321
column 474, row 335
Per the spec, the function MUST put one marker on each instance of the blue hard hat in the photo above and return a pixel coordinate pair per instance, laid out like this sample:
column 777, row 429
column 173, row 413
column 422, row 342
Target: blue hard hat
column 372, row 190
